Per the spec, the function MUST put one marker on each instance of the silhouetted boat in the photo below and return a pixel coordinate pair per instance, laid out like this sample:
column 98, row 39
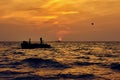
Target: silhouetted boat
column 29, row 45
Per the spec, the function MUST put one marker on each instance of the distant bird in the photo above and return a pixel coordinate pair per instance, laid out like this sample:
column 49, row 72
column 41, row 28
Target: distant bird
column 92, row 24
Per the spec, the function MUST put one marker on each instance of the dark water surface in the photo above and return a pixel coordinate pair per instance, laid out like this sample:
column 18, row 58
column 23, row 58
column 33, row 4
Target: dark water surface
column 65, row 61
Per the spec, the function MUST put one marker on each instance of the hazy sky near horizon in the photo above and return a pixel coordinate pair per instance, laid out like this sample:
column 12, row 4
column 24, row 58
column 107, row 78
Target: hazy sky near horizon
column 60, row 19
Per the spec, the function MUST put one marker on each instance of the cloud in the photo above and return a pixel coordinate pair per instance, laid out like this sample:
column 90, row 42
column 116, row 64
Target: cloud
column 68, row 12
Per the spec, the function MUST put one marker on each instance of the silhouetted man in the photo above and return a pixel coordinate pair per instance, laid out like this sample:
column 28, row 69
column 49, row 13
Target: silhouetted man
column 41, row 41
column 29, row 41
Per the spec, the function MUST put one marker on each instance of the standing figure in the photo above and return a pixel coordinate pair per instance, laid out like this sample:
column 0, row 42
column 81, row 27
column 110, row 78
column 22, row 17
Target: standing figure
column 29, row 41
column 41, row 40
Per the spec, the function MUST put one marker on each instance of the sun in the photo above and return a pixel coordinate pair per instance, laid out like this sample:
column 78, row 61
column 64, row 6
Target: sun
column 59, row 38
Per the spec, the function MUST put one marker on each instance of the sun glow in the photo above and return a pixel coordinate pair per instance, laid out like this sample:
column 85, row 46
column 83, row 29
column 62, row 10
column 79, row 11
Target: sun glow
column 60, row 38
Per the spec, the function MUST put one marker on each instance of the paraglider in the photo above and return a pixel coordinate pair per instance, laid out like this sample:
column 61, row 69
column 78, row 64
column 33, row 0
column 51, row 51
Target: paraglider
column 92, row 24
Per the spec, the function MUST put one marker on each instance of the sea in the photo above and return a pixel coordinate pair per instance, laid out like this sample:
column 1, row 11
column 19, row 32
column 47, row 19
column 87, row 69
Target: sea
column 67, row 60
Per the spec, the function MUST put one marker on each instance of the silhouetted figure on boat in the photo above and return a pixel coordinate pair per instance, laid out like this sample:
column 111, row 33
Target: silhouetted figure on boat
column 29, row 41
column 29, row 45
column 41, row 40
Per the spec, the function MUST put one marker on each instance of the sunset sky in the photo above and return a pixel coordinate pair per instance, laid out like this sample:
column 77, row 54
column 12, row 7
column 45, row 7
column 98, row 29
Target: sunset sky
column 60, row 19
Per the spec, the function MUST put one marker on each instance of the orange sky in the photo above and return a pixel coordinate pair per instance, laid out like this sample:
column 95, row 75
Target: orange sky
column 60, row 19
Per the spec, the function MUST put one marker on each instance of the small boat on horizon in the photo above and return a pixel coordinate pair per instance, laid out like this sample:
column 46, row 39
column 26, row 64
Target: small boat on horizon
column 59, row 40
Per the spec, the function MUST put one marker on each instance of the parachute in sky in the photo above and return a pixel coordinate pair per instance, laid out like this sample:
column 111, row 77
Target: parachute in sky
column 92, row 23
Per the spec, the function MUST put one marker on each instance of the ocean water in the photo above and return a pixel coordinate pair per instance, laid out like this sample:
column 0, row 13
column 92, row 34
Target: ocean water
column 65, row 61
